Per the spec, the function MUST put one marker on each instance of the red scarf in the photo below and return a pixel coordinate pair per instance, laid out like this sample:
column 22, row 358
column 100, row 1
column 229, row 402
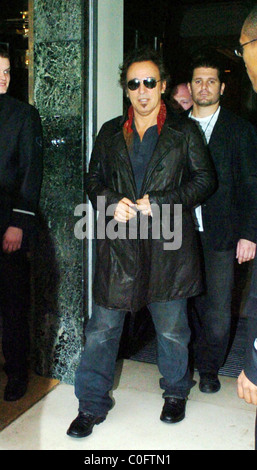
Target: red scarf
column 160, row 119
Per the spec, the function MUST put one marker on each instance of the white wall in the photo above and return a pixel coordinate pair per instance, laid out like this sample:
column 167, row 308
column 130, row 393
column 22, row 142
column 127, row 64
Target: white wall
column 109, row 57
column 109, row 93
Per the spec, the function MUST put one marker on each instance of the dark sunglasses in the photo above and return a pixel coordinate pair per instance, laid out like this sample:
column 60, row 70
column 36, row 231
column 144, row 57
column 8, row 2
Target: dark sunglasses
column 148, row 82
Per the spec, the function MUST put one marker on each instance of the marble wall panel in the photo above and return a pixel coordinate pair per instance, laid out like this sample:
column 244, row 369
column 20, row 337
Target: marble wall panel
column 56, row 20
column 58, row 273
column 57, row 82
column 58, row 270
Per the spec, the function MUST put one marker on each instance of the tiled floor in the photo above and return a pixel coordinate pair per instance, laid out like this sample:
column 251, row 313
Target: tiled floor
column 213, row 422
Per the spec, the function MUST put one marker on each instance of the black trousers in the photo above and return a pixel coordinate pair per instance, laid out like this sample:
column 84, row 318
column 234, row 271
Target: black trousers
column 14, row 307
column 212, row 325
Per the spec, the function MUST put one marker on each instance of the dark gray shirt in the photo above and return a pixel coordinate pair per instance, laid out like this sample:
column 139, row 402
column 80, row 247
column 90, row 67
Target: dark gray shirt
column 141, row 153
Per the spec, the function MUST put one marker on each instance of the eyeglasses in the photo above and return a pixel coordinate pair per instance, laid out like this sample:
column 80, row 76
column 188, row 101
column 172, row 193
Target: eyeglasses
column 148, row 82
column 239, row 51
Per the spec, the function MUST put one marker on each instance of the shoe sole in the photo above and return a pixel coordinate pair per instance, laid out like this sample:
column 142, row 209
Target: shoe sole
column 174, row 420
column 207, row 389
column 71, row 434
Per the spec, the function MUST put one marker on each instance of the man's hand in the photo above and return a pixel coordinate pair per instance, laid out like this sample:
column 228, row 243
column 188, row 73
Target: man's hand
column 246, row 250
column 144, row 205
column 124, row 210
column 12, row 239
column 246, row 389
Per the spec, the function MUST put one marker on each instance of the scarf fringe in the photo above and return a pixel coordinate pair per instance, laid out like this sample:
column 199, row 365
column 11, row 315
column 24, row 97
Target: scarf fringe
column 127, row 128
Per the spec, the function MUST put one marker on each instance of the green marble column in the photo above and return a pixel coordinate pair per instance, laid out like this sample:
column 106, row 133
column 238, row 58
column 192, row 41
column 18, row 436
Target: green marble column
column 58, row 278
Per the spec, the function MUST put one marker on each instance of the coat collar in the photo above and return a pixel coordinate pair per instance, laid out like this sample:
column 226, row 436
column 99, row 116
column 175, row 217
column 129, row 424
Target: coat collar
column 161, row 118
column 171, row 126
column 220, row 125
column 167, row 138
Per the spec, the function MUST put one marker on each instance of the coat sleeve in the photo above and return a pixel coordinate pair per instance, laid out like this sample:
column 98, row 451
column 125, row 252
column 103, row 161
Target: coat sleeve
column 30, row 161
column 250, row 312
column 199, row 180
column 245, row 177
column 96, row 179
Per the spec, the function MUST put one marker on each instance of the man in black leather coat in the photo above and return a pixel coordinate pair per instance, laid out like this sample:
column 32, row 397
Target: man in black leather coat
column 20, row 183
column 142, row 164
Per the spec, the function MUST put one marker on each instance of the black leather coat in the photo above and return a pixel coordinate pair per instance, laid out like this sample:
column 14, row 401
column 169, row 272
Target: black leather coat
column 129, row 274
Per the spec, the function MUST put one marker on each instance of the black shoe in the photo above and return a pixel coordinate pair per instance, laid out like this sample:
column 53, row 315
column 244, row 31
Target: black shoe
column 15, row 388
column 209, row 383
column 173, row 410
column 83, row 425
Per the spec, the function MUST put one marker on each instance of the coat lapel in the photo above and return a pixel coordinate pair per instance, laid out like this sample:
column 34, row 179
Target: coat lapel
column 219, row 137
column 219, row 129
column 167, row 140
column 120, row 152
column 164, row 145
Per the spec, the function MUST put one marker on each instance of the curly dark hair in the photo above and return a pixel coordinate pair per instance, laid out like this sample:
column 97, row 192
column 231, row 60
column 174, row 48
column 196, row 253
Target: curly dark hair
column 4, row 54
column 207, row 57
column 141, row 55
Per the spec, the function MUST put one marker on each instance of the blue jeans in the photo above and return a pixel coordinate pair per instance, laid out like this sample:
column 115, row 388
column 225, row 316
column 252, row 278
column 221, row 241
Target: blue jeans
column 95, row 374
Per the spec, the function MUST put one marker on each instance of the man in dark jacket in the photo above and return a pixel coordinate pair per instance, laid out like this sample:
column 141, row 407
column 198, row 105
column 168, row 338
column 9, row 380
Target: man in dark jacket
column 247, row 380
column 20, row 182
column 227, row 220
column 141, row 165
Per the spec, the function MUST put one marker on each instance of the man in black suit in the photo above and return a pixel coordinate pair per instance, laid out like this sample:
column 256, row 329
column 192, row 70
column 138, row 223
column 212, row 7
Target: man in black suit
column 247, row 380
column 228, row 219
column 20, row 183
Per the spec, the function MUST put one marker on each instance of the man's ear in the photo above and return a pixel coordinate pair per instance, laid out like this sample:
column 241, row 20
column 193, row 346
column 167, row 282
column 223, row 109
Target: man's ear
column 164, row 85
column 223, row 86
